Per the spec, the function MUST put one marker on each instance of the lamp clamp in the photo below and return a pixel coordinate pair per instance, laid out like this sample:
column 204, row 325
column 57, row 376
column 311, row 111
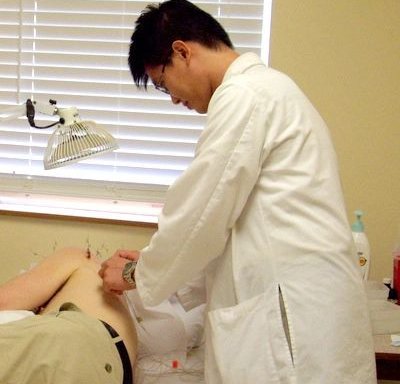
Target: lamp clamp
column 43, row 108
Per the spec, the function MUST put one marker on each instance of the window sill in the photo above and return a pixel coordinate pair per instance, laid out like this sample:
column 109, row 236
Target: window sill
column 86, row 209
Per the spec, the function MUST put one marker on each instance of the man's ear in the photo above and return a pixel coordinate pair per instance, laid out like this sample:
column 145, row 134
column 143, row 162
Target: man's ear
column 181, row 49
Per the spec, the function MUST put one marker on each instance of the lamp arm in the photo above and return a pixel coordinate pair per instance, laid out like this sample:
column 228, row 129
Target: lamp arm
column 28, row 109
column 13, row 113
column 47, row 109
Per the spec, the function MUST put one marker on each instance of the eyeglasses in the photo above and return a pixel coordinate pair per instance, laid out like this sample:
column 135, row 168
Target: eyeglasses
column 159, row 85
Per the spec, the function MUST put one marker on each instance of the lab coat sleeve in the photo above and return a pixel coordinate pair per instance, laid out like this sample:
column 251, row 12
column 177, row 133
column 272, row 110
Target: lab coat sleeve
column 204, row 203
column 193, row 293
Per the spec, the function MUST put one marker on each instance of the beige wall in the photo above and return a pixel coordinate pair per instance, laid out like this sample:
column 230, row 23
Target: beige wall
column 26, row 240
column 345, row 54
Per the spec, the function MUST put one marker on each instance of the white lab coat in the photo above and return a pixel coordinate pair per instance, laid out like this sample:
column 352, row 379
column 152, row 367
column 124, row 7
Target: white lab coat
column 260, row 209
column 170, row 339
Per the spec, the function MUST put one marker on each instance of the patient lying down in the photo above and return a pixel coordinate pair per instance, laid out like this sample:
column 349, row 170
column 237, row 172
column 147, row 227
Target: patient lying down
column 90, row 341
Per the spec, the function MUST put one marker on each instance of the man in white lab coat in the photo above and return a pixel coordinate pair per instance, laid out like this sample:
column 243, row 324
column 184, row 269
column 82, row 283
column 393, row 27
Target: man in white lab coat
column 260, row 211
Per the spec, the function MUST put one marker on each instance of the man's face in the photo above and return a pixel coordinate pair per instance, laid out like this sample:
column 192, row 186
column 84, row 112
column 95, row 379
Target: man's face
column 182, row 84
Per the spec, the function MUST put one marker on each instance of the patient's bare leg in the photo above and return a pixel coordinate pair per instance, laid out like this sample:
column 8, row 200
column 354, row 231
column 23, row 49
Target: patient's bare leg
column 69, row 276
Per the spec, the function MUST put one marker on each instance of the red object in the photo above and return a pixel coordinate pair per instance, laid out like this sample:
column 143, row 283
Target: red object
column 175, row 363
column 396, row 276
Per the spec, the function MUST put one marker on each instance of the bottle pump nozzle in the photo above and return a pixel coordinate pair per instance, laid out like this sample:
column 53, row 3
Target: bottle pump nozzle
column 358, row 225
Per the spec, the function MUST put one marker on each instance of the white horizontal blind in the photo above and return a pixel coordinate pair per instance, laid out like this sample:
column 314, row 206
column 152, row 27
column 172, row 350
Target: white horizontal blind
column 75, row 52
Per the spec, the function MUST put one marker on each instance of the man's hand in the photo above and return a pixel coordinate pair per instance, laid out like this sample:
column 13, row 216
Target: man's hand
column 126, row 254
column 111, row 271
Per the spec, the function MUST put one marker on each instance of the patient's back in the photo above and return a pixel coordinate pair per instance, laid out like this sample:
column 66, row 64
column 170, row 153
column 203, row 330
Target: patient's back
column 84, row 289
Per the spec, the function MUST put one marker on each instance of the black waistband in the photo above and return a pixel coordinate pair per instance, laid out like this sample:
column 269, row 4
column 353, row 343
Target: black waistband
column 123, row 354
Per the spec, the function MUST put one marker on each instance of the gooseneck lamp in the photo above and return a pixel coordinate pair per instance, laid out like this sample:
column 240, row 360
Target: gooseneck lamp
column 73, row 139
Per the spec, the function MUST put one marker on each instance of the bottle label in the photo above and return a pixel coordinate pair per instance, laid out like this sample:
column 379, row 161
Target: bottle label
column 362, row 259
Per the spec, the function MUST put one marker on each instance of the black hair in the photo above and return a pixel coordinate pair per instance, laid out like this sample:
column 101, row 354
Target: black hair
column 159, row 25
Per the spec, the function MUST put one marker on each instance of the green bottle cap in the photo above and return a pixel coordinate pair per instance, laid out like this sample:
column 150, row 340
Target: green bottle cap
column 358, row 225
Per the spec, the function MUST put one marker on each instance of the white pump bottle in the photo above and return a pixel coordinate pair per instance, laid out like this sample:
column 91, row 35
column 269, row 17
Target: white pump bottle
column 362, row 244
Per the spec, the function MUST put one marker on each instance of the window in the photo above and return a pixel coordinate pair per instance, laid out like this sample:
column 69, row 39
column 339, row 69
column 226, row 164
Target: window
column 76, row 53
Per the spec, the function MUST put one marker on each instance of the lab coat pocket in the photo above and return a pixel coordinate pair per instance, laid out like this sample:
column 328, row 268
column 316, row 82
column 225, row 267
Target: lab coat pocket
column 248, row 344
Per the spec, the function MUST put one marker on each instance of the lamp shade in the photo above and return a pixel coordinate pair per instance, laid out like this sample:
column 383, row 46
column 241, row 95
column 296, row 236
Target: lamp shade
column 75, row 142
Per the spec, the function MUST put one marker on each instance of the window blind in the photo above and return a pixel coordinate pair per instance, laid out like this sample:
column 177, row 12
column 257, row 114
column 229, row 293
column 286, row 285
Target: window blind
column 76, row 53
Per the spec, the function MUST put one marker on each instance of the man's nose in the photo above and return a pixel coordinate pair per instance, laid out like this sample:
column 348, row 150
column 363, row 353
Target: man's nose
column 175, row 100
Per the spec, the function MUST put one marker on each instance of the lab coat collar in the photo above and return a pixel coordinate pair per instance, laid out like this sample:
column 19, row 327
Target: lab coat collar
column 242, row 64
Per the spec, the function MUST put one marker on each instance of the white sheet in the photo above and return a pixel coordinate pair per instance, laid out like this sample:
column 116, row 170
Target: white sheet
column 14, row 315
